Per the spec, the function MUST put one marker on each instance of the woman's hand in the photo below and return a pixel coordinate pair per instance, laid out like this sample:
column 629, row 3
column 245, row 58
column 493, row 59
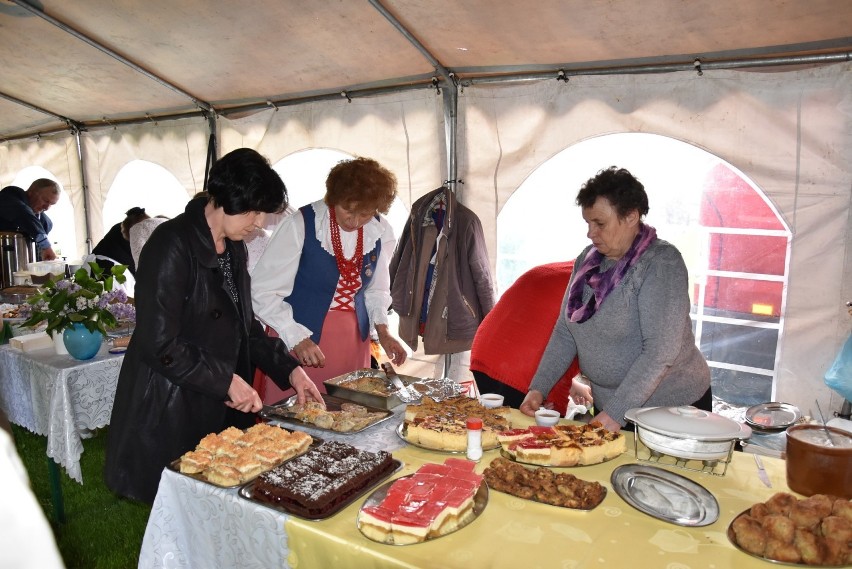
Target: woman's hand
column 581, row 394
column 243, row 397
column 306, row 390
column 391, row 345
column 532, row 402
column 309, row 354
column 608, row 422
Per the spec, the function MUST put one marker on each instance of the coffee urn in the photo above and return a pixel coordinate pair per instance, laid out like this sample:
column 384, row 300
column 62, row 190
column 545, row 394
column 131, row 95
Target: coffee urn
column 16, row 252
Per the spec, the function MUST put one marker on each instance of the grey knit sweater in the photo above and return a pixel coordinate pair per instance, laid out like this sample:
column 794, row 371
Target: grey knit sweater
column 638, row 349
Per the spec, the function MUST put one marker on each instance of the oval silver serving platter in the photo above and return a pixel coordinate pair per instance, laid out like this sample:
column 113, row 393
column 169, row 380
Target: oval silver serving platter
column 665, row 495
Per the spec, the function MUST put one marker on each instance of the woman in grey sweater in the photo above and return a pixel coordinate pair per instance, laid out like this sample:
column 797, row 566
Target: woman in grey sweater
column 625, row 314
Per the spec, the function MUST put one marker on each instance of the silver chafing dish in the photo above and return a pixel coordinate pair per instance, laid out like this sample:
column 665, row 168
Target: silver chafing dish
column 688, row 435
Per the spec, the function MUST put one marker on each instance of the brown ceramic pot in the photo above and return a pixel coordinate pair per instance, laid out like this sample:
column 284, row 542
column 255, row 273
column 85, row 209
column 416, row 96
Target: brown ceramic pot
column 814, row 466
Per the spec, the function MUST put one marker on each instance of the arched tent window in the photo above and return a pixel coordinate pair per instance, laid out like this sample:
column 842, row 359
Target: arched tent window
column 64, row 232
column 143, row 184
column 733, row 241
column 304, row 174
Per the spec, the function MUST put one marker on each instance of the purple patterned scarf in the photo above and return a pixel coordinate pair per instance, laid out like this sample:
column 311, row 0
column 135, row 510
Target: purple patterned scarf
column 603, row 283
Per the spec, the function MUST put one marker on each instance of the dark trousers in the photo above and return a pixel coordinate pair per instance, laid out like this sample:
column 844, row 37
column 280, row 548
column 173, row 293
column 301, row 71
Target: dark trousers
column 487, row 384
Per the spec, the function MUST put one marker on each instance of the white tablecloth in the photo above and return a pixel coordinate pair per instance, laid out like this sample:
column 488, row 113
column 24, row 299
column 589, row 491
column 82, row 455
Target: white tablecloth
column 59, row 397
column 198, row 525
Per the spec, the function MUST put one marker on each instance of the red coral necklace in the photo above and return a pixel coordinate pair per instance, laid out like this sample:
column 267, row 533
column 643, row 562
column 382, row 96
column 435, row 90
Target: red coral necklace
column 350, row 269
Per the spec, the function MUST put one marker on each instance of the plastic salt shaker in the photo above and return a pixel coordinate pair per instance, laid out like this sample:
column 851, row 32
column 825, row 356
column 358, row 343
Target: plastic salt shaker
column 474, row 438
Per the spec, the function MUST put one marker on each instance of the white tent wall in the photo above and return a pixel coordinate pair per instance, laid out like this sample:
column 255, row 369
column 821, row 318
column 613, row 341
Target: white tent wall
column 58, row 155
column 179, row 146
column 790, row 132
column 403, row 131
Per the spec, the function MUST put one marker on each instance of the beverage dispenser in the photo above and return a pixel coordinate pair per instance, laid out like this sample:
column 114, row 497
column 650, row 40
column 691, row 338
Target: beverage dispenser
column 16, row 252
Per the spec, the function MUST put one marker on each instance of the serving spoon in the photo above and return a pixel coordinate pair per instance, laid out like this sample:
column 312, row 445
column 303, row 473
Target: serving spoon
column 824, row 426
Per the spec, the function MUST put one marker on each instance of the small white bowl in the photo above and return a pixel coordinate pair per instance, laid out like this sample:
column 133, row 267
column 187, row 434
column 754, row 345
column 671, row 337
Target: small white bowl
column 491, row 400
column 546, row 417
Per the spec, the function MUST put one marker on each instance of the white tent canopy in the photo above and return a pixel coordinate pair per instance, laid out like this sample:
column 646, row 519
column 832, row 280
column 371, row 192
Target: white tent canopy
column 86, row 87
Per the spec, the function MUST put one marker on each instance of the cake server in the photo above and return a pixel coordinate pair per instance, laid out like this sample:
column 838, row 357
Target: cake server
column 406, row 395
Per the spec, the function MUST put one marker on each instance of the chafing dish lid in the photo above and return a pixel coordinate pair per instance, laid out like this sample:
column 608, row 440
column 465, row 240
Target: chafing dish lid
column 686, row 421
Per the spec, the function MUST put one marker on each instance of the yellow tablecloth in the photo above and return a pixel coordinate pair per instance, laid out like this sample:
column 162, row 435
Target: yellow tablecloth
column 515, row 533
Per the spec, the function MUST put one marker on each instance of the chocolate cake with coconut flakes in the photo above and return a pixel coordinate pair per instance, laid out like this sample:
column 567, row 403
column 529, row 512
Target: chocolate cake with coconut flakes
column 316, row 483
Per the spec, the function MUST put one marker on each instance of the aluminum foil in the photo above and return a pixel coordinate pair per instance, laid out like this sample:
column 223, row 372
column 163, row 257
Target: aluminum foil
column 434, row 388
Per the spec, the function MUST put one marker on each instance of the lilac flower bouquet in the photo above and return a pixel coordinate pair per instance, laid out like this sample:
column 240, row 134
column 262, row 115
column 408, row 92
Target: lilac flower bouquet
column 89, row 297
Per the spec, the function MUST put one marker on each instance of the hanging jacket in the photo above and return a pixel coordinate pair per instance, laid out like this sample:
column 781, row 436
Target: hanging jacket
column 463, row 288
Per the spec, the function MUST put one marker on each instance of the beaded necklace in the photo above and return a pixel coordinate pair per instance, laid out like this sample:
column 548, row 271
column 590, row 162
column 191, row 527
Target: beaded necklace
column 349, row 269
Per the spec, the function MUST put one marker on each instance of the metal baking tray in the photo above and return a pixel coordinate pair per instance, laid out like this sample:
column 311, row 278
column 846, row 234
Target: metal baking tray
column 17, row 294
column 385, row 399
column 282, row 411
column 247, row 492
column 438, row 389
column 175, row 466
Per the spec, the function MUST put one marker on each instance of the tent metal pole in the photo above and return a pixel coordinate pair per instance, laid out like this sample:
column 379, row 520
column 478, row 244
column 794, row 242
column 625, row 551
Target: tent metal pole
column 494, row 76
column 327, row 96
column 410, row 37
column 32, row 107
column 451, row 101
column 104, row 49
column 570, row 70
column 85, row 187
column 450, row 96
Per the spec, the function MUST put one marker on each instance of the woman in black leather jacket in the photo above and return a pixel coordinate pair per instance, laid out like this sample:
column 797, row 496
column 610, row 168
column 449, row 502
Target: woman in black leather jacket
column 196, row 339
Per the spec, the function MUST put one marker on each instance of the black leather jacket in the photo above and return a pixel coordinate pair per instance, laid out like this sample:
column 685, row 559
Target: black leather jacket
column 190, row 339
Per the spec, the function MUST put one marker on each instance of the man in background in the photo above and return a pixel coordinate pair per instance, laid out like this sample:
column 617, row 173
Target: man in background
column 24, row 212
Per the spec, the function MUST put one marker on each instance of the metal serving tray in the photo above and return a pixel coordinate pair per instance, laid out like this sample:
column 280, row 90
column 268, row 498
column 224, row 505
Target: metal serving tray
column 175, row 467
column 665, row 495
column 480, row 500
column 282, row 411
column 387, row 399
column 247, row 492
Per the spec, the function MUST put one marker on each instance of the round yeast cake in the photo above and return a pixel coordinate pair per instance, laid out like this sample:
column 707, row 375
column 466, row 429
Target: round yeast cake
column 562, row 445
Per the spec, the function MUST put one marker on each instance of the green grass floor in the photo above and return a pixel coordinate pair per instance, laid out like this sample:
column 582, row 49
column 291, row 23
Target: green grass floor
column 101, row 531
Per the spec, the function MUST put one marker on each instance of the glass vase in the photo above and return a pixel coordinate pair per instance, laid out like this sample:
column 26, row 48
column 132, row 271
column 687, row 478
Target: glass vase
column 59, row 344
column 80, row 343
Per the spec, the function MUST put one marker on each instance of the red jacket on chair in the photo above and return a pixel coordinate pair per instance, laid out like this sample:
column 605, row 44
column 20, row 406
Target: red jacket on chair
column 509, row 342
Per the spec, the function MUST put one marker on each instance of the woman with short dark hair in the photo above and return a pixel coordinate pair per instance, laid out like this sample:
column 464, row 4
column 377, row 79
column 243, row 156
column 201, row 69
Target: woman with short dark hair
column 625, row 314
column 196, row 341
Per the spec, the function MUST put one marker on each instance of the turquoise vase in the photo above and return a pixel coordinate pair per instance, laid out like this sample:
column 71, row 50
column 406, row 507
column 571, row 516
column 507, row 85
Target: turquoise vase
column 80, row 343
